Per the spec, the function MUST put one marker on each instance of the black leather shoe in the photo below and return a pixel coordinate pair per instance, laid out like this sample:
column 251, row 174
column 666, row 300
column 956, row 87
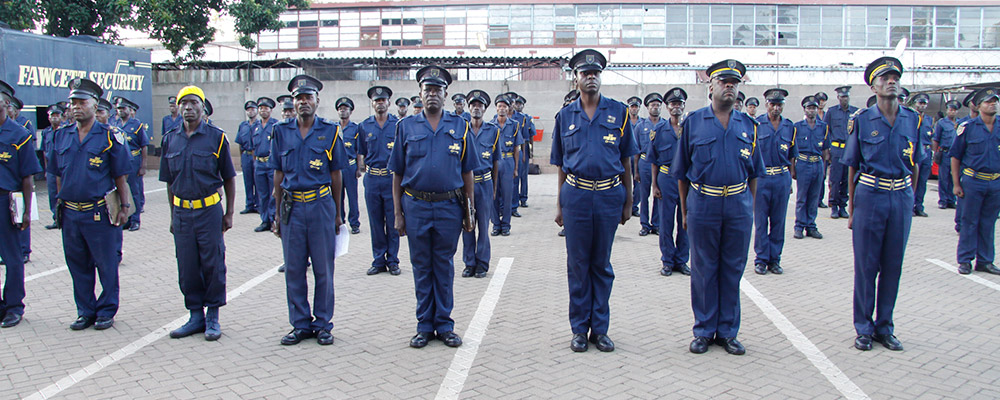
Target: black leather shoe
column 635, row 213
column 602, row 343
column 126, row 225
column 889, row 341
column 355, row 230
column 515, row 214
column 51, row 226
column 952, row 205
column 988, row 267
column 942, row 206
column 480, row 274
column 643, row 231
column 495, row 232
column 420, row 339
column 296, row 336
column 282, row 268
column 920, row 213
column 26, row 259
column 822, row 205
column 82, row 323
column 134, row 227
column 394, row 269
column 263, row 227
column 863, row 342
column 814, row 233
column 324, row 337
column 684, row 269
column 376, row 270
column 467, row 272
column 731, row 345
column 103, row 323
column 579, row 343
column 562, row 232
column 775, row 269
column 760, row 269
column 246, row 211
column 11, row 320
column 195, row 324
column 699, row 345
column 667, row 270
column 450, row 339
column 798, row 235
column 834, row 213
column 654, row 231
column 965, row 268
column 524, row 204
column 843, row 213
column 505, row 232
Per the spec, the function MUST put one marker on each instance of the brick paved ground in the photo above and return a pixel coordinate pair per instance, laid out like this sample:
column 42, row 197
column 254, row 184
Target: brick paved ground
column 948, row 324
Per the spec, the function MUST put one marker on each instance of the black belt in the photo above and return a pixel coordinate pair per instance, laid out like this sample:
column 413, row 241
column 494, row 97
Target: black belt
column 433, row 196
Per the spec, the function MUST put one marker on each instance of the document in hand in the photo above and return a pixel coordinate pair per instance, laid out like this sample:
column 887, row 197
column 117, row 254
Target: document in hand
column 343, row 241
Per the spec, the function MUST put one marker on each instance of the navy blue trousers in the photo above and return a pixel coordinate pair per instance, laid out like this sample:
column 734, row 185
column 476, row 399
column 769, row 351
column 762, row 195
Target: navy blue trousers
column 921, row 187
column 310, row 235
column 808, row 181
column 502, row 206
column 264, row 184
column 93, row 249
column 136, row 186
column 522, row 177
column 648, row 218
column 432, row 229
column 591, row 219
column 349, row 192
column 476, row 244
column 246, row 164
column 838, row 180
column 881, row 228
column 946, row 187
column 382, row 220
column 201, row 256
column 12, row 300
column 719, row 228
column 50, row 183
column 770, row 213
column 674, row 249
column 980, row 208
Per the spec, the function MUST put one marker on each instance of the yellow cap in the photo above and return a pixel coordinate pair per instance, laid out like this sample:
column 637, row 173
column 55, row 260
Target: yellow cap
column 190, row 90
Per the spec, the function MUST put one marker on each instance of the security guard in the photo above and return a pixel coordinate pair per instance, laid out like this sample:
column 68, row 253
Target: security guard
column 349, row 134
column 418, row 104
column 821, row 98
column 460, row 102
column 263, row 175
column 883, row 151
column 591, row 145
column 91, row 160
column 402, row 107
column 103, row 114
column 378, row 133
column 307, row 158
column 740, row 98
column 15, row 107
column 208, row 112
column 287, row 106
column 926, row 129
column 244, row 138
column 55, row 113
column 18, row 164
column 195, row 164
column 173, row 120
column 975, row 171
column 633, row 119
column 432, row 168
column 527, row 132
column 644, row 130
column 776, row 143
column 137, row 140
column 476, row 245
column 568, row 99
column 903, row 95
column 944, row 137
column 717, row 165
column 521, row 122
column 871, row 101
column 973, row 113
column 836, row 118
column 673, row 252
column 751, row 107
column 14, row 113
column 509, row 142
column 812, row 148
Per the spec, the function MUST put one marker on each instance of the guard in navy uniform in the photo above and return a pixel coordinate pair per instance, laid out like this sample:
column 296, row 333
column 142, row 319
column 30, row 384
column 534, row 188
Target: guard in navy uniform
column 973, row 113
column 508, row 145
column 926, row 129
column 460, row 103
column 103, row 114
column 91, row 160
column 740, row 98
column 14, row 113
column 55, row 113
column 673, row 252
column 527, row 132
column 18, row 164
column 195, row 164
column 418, row 104
column 776, row 143
column 717, row 165
column 751, row 107
column 975, row 172
column 812, row 148
column 568, row 99
column 402, row 107
column 883, row 153
column 836, row 119
column 591, row 145
column 378, row 134
column 137, row 139
column 14, row 109
column 476, row 245
column 944, row 137
column 307, row 156
column 821, row 98
column 287, row 106
column 350, row 134
column 174, row 120
column 244, row 138
column 649, row 206
column 634, row 103
column 432, row 189
column 263, row 175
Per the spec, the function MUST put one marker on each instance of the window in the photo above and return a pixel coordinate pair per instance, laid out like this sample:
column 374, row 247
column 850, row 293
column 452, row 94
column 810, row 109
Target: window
column 854, row 25
column 434, row 35
column 810, row 27
column 832, row 18
column 370, row 36
column 969, row 19
column 878, row 27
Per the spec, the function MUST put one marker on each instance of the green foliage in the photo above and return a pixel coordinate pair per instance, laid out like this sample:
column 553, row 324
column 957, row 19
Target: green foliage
column 19, row 14
column 83, row 17
column 182, row 26
column 255, row 16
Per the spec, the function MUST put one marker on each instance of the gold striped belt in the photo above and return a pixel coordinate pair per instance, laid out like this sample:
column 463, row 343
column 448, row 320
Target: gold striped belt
column 642, row 156
column 378, row 171
column 250, row 152
column 311, row 195
column 83, row 206
column 507, row 154
column 884, row 183
column 262, row 159
column 197, row 204
column 664, row 169
column 986, row 176
column 486, row 177
column 776, row 170
column 352, row 161
column 838, row 144
column 808, row 158
column 136, row 152
column 720, row 191
column 587, row 184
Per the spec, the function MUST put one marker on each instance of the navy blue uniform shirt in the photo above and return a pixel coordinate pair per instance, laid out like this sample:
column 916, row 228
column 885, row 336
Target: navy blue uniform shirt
column 433, row 160
column 307, row 162
column 976, row 147
column 875, row 148
column 169, row 123
column 944, row 132
column 245, row 133
column 836, row 118
column 487, row 145
column 662, row 148
column 592, row 148
column 262, row 139
column 135, row 136
column 810, row 141
column 196, row 166
column 644, row 131
column 350, row 134
column 17, row 157
column 47, row 140
column 376, row 143
column 777, row 146
column 711, row 155
column 88, row 169
column 509, row 139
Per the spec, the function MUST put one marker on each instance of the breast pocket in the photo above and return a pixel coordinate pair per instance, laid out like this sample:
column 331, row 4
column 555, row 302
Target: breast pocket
column 745, row 149
column 664, row 150
column 203, row 161
column 871, row 146
column 977, row 145
column 611, row 136
column 703, row 152
column 62, row 158
column 174, row 161
column 97, row 160
column 418, row 146
column 317, row 160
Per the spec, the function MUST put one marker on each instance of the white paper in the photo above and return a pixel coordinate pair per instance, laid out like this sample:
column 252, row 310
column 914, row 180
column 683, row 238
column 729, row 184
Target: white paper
column 34, row 206
column 343, row 241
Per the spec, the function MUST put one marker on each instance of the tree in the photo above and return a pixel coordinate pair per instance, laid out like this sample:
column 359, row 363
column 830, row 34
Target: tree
column 178, row 24
column 19, row 14
column 84, row 17
column 255, row 16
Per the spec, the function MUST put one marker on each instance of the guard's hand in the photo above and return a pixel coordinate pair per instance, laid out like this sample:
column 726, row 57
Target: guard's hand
column 227, row 221
column 656, row 192
column 793, row 175
column 26, row 219
column 142, row 171
column 850, row 217
column 637, row 178
column 339, row 221
column 958, row 191
column 626, row 211
column 121, row 217
column 400, row 224
column 358, row 173
column 276, row 228
column 515, row 172
column 684, row 219
column 559, row 219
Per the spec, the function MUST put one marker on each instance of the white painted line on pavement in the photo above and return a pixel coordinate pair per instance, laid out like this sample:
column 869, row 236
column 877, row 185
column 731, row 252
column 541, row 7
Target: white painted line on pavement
column 30, row 278
column 954, row 269
column 803, row 344
column 453, row 382
column 85, row 372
